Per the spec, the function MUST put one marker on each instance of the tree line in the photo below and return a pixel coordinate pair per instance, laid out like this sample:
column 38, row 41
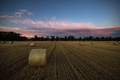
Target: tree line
column 72, row 38
column 12, row 36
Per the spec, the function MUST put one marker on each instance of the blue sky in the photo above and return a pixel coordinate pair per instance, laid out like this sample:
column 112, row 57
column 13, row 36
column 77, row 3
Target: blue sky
column 61, row 17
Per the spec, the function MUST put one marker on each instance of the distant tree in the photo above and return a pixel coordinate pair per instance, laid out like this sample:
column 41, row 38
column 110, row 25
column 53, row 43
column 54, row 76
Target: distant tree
column 84, row 39
column 36, row 37
column 57, row 38
column 97, row 39
column 65, row 38
column 87, row 39
column 71, row 38
column 110, row 38
column 11, row 36
column 52, row 38
column 90, row 38
column 80, row 39
column 47, row 38
column 102, row 39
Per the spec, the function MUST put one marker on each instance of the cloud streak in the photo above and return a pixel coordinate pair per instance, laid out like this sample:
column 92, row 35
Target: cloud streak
column 21, row 12
column 42, row 31
column 54, row 27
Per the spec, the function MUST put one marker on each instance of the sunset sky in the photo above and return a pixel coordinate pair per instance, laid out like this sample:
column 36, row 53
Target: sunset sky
column 80, row 18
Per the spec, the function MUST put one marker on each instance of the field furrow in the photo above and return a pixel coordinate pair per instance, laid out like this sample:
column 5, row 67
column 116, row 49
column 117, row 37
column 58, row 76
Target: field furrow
column 106, row 68
column 64, row 69
column 66, row 60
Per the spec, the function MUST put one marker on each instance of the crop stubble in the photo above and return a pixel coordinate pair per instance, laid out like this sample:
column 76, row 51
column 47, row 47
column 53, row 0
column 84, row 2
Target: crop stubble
column 66, row 61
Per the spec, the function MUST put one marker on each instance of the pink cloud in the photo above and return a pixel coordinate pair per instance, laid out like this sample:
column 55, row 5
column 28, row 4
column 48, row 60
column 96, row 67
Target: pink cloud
column 2, row 17
column 6, row 17
column 18, row 13
column 13, row 21
column 52, row 24
column 71, row 25
column 44, row 31
column 23, row 10
column 54, row 27
column 25, row 32
column 30, row 13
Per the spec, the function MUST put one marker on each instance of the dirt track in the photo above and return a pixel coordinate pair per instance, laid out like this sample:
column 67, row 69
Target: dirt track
column 66, row 61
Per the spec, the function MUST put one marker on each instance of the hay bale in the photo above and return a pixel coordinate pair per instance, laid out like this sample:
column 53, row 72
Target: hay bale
column 118, row 42
column 115, row 43
column 81, row 43
column 37, row 57
column 92, row 43
column 11, row 42
column 2, row 42
column 32, row 44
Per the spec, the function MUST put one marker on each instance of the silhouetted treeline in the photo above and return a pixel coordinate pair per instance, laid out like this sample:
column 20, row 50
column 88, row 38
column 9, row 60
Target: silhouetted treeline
column 11, row 36
column 72, row 38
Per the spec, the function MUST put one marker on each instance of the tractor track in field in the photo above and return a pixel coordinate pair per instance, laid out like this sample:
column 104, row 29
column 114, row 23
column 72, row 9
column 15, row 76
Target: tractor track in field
column 14, row 55
column 82, row 66
column 102, row 48
column 32, row 72
column 105, row 48
column 103, row 54
column 78, row 69
column 67, row 67
column 15, row 63
column 99, row 65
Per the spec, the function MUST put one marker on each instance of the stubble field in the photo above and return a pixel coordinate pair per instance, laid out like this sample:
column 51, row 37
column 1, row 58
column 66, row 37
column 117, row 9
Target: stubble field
column 67, row 60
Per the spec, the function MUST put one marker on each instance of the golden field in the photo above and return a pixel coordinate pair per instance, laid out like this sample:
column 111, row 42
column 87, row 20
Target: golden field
column 66, row 60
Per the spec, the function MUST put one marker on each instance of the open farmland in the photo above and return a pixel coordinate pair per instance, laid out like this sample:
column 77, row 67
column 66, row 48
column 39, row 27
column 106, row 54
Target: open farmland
column 67, row 60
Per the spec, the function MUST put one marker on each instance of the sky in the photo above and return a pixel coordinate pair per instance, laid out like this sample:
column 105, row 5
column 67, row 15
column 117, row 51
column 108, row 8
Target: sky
column 80, row 18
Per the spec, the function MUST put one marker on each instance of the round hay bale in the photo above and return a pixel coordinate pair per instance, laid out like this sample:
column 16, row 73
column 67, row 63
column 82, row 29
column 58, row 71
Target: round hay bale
column 81, row 43
column 11, row 42
column 115, row 43
column 37, row 57
column 32, row 44
column 2, row 42
column 92, row 43
column 118, row 42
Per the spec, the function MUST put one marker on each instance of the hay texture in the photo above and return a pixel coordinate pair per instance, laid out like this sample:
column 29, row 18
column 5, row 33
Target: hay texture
column 92, row 43
column 11, row 42
column 32, row 44
column 37, row 57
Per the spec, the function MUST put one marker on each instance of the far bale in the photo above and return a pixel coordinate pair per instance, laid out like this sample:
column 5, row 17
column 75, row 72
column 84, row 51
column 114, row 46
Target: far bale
column 11, row 42
column 2, row 42
column 115, row 43
column 32, row 44
column 37, row 57
column 118, row 42
column 92, row 43
column 81, row 43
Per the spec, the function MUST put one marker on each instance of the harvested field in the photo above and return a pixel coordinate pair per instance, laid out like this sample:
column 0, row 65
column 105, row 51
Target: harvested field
column 65, row 61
